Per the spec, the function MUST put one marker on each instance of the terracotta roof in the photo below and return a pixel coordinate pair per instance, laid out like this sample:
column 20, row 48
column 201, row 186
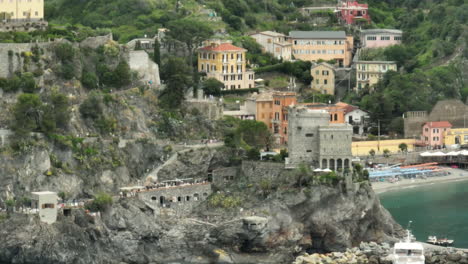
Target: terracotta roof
column 438, row 124
column 222, row 47
column 347, row 107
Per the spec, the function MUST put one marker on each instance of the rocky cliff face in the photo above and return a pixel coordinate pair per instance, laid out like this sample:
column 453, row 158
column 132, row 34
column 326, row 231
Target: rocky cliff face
column 272, row 229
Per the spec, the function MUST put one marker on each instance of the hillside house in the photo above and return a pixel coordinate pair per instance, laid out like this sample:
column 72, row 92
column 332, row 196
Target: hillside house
column 275, row 43
column 322, row 45
column 226, row 63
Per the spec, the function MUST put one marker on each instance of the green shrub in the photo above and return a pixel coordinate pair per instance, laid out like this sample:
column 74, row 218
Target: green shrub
column 101, row 202
column 65, row 52
column 89, row 80
column 91, row 107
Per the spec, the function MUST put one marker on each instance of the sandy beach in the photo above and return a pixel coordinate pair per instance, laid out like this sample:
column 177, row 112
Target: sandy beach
column 456, row 175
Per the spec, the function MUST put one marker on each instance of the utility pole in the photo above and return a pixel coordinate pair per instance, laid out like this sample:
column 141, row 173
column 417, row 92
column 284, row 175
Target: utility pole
column 378, row 135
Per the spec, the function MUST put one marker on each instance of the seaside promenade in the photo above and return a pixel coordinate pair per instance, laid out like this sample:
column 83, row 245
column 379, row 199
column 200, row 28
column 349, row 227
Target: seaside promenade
column 455, row 175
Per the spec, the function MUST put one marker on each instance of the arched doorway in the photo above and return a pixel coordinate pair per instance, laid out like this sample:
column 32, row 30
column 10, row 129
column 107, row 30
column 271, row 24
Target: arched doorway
column 346, row 163
column 339, row 164
column 324, row 163
column 332, row 164
column 162, row 200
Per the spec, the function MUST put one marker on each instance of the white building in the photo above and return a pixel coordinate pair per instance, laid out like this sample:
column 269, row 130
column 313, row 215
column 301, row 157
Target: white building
column 275, row 43
column 46, row 204
column 358, row 119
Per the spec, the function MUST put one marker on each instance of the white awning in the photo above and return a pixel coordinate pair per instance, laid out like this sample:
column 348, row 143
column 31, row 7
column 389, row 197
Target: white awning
column 318, row 170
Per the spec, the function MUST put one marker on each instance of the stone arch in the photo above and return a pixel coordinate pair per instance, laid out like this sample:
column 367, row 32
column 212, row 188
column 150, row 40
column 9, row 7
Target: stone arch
column 153, row 198
column 196, row 197
column 339, row 164
column 179, row 199
column 331, row 164
column 346, row 164
column 187, row 198
column 324, row 163
column 162, row 200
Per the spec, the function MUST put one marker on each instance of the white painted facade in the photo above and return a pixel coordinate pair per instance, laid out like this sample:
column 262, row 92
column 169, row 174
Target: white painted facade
column 274, row 43
column 357, row 118
column 46, row 203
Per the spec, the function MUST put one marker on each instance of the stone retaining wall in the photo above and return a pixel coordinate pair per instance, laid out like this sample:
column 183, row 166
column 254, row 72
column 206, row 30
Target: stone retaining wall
column 179, row 198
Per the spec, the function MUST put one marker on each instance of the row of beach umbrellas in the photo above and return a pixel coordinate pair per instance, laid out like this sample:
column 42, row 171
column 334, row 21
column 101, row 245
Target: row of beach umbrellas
column 324, row 170
column 442, row 154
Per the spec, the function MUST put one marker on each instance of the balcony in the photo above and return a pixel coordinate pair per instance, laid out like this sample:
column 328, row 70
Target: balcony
column 275, row 121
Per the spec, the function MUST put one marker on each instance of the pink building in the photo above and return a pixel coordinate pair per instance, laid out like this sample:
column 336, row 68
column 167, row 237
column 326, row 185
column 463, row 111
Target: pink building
column 433, row 133
column 378, row 38
column 351, row 12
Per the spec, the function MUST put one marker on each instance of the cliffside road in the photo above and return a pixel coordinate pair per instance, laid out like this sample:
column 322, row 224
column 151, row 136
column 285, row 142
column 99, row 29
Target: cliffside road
column 153, row 175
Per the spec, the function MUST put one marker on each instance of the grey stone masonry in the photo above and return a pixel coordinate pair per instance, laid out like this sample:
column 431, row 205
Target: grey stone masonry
column 179, row 198
column 316, row 142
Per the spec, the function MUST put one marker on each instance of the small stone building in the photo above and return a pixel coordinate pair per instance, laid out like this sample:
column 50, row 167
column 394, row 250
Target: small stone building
column 46, row 204
column 181, row 199
column 316, row 142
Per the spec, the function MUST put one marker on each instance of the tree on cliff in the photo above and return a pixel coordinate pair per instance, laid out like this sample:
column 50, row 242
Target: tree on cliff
column 177, row 75
column 157, row 52
column 31, row 114
column 212, row 86
column 191, row 32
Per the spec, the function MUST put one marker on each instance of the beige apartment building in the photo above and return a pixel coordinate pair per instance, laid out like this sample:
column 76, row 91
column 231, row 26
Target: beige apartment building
column 275, row 43
column 226, row 63
column 368, row 73
column 322, row 45
column 21, row 10
column 323, row 75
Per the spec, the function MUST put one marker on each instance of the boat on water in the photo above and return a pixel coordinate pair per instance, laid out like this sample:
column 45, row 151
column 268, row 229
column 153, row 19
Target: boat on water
column 408, row 251
column 439, row 242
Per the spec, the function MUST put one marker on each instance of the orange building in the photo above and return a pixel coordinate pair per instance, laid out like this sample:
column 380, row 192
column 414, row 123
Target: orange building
column 337, row 111
column 272, row 110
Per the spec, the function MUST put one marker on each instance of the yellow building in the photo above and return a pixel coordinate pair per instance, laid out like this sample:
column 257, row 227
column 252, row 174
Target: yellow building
column 226, row 63
column 22, row 10
column 368, row 73
column 362, row 148
column 322, row 45
column 323, row 75
column 456, row 136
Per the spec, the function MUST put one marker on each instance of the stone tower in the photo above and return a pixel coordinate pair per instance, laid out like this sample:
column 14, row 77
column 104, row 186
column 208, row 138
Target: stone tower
column 316, row 142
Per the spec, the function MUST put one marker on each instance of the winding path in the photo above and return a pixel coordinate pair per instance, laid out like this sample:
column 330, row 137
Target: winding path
column 153, row 175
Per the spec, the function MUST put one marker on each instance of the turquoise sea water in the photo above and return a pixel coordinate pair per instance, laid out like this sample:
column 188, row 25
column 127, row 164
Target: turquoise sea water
column 439, row 209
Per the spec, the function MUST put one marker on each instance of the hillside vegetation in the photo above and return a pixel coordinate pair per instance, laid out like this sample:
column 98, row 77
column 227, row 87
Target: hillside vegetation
column 432, row 60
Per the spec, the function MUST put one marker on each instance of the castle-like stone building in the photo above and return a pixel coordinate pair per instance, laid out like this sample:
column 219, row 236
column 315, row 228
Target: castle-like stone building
column 314, row 141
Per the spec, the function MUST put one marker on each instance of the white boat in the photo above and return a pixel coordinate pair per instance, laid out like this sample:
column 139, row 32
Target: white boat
column 440, row 242
column 408, row 252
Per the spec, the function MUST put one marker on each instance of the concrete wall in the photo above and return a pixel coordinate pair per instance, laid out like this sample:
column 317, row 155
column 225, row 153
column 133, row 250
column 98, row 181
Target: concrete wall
column 225, row 176
column 10, row 56
column 147, row 69
column 413, row 122
column 181, row 198
column 211, row 109
column 362, row 148
column 257, row 170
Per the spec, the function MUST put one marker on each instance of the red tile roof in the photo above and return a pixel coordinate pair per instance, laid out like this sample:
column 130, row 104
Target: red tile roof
column 222, row 47
column 439, row 124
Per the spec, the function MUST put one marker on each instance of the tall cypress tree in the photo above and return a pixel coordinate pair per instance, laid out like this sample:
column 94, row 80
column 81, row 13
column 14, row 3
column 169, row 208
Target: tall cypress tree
column 157, row 52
